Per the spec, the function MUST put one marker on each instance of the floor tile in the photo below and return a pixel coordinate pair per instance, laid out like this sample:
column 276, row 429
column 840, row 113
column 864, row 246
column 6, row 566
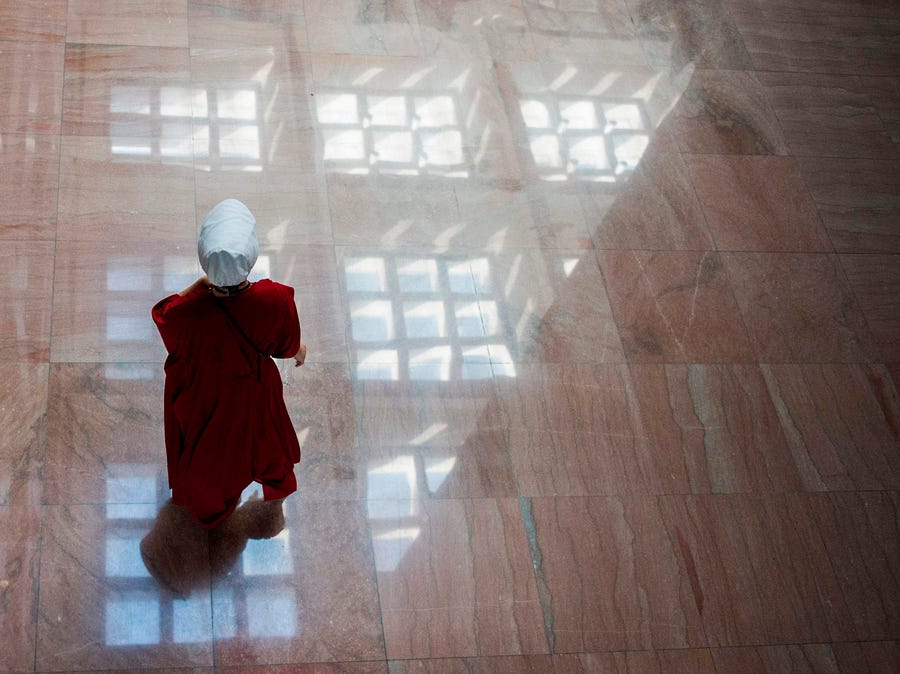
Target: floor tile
column 757, row 203
column 605, row 34
column 657, row 209
column 230, row 23
column 19, row 559
column 138, row 96
column 764, row 659
column 878, row 657
column 312, row 668
column 340, row 27
column 674, row 307
column 125, row 191
column 875, row 280
column 99, row 607
column 455, row 578
column 841, row 422
column 27, row 281
column 858, row 202
column 290, row 206
column 105, row 440
column 31, row 87
column 799, row 308
column 781, row 551
column 29, row 175
column 644, row 429
column 493, row 29
column 682, row 661
column 319, row 398
column 551, row 308
column 822, row 44
column 511, row 664
column 23, row 444
column 306, row 595
column 34, row 21
column 104, row 294
column 608, row 576
column 718, row 426
column 726, row 112
column 163, row 23
column 827, row 116
column 676, row 34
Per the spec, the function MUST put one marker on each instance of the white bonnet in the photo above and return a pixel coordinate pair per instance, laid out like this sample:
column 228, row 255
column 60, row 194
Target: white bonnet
column 227, row 246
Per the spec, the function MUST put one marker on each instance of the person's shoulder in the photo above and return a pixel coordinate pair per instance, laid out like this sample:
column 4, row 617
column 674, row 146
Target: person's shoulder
column 270, row 288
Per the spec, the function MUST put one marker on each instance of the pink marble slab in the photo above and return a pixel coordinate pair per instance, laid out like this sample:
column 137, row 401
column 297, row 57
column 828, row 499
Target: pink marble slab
column 455, row 579
column 99, row 607
column 105, row 440
column 126, row 92
column 306, row 595
column 609, row 576
column 231, row 23
column 20, row 559
column 29, row 175
column 23, row 406
column 821, row 43
column 799, row 308
column 319, row 398
column 111, row 190
column 511, row 664
column 26, row 277
column 554, row 307
column 389, row 27
column 875, row 280
column 877, row 656
column 674, row 306
column 681, row 661
column 437, row 413
column 312, row 668
column 31, row 86
column 764, row 659
column 161, row 23
column 858, row 202
column 795, row 561
column 656, row 208
column 477, row 467
column 103, row 295
column 675, row 34
column 841, row 422
column 828, row 116
column 290, row 205
column 757, row 203
column 492, row 29
column 725, row 112
column 33, row 21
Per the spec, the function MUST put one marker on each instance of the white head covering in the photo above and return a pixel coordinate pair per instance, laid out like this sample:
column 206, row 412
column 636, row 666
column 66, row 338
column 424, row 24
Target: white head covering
column 228, row 247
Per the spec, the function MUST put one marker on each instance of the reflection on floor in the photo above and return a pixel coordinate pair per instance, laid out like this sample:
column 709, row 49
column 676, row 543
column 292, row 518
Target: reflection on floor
column 602, row 300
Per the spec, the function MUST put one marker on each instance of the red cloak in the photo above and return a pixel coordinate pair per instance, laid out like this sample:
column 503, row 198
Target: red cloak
column 225, row 419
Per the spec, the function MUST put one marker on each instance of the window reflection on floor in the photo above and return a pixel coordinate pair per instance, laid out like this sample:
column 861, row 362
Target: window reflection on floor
column 423, row 317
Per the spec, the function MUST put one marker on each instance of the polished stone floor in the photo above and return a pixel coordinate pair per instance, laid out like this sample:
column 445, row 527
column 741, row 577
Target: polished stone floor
column 602, row 300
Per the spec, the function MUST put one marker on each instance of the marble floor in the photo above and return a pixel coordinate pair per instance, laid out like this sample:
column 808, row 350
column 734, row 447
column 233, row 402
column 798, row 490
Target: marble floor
column 602, row 300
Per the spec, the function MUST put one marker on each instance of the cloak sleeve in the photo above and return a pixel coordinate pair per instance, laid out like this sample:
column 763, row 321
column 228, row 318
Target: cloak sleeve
column 288, row 342
column 165, row 314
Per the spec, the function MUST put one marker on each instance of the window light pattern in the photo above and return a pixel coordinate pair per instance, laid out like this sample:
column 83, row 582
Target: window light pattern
column 390, row 132
column 425, row 318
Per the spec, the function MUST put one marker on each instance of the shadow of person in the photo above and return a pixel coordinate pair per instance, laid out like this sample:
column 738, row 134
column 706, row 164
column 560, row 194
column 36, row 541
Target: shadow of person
column 182, row 556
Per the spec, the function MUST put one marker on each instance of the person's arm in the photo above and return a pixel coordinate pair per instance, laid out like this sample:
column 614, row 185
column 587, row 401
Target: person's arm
column 300, row 358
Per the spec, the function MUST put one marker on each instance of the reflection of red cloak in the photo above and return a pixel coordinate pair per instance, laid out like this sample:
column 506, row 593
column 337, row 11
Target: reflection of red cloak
column 226, row 423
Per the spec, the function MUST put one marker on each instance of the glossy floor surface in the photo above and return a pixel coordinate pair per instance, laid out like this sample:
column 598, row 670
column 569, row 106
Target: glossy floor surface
column 602, row 300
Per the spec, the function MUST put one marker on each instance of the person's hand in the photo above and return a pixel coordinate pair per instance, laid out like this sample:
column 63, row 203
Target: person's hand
column 201, row 282
column 301, row 356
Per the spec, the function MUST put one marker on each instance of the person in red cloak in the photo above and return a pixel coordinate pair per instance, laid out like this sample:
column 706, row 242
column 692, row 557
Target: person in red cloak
column 226, row 424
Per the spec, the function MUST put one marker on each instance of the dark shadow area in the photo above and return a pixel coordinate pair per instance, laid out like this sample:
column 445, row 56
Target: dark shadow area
column 182, row 556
